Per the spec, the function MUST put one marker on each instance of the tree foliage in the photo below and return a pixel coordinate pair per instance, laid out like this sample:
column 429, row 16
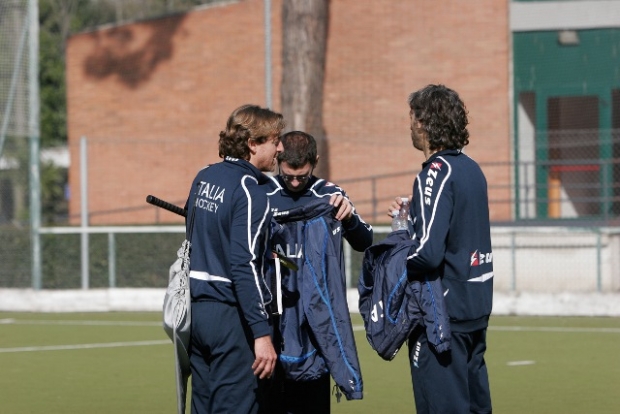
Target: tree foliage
column 58, row 19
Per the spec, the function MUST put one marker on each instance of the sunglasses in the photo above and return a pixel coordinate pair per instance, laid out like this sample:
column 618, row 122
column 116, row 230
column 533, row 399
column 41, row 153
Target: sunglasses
column 300, row 178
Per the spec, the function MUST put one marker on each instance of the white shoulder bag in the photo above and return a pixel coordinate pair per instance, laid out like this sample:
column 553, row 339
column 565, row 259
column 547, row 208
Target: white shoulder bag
column 178, row 315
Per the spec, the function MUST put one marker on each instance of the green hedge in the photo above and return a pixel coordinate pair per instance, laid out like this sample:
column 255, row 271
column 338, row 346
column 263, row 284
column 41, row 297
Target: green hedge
column 142, row 260
column 15, row 253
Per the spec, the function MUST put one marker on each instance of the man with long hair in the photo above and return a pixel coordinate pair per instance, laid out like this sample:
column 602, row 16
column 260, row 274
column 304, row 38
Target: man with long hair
column 452, row 237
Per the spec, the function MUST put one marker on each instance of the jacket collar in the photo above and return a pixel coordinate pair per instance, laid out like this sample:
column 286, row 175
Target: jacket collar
column 250, row 169
column 449, row 152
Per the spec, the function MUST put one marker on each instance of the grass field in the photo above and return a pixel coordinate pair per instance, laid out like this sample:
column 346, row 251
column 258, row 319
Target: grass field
column 122, row 363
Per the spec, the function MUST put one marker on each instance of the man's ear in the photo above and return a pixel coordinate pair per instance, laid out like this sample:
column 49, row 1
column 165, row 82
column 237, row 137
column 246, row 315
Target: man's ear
column 316, row 161
column 252, row 144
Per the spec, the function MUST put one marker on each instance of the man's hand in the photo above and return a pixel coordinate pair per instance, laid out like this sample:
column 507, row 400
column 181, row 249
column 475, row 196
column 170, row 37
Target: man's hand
column 265, row 361
column 344, row 208
column 395, row 206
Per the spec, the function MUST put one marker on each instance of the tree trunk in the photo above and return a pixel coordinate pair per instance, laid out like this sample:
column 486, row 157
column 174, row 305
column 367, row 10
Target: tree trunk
column 304, row 32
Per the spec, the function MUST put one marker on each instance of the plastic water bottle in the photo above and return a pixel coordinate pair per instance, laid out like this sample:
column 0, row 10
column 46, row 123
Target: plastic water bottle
column 401, row 217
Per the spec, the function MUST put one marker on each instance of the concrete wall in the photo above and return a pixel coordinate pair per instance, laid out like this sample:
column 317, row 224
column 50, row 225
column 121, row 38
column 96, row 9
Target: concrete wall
column 556, row 259
column 150, row 300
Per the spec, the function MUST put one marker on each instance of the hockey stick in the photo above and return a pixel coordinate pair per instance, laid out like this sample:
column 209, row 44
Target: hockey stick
column 151, row 199
column 166, row 205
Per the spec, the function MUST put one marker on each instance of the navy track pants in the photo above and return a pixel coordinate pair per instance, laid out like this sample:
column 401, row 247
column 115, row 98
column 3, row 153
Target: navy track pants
column 453, row 382
column 221, row 358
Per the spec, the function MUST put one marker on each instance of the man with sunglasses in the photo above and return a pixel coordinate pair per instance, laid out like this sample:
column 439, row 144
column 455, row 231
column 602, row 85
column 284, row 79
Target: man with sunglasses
column 300, row 200
column 295, row 186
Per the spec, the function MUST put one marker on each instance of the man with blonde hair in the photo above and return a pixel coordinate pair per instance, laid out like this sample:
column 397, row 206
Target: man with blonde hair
column 231, row 347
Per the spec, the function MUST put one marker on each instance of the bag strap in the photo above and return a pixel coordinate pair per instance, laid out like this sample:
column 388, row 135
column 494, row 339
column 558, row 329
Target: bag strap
column 191, row 219
column 188, row 239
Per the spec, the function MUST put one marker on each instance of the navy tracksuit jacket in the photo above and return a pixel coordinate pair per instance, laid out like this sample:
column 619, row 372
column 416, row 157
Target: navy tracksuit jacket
column 229, row 240
column 451, row 224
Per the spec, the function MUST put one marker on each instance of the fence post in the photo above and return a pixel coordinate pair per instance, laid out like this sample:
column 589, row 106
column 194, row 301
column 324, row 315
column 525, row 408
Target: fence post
column 84, row 214
column 34, row 132
column 513, row 261
column 599, row 260
column 112, row 260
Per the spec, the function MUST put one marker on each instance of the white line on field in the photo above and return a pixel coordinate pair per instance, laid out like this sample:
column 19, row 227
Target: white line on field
column 518, row 363
column 13, row 321
column 553, row 329
column 83, row 346
column 81, row 323
column 536, row 329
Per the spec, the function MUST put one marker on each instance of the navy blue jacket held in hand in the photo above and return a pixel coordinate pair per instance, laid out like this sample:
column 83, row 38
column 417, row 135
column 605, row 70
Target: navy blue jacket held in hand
column 315, row 323
column 392, row 306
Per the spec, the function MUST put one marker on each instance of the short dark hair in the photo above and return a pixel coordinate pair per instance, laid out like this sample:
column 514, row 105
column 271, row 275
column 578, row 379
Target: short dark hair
column 443, row 116
column 245, row 123
column 299, row 149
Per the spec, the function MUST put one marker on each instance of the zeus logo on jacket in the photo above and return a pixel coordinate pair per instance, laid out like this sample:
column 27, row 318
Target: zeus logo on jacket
column 431, row 177
column 476, row 258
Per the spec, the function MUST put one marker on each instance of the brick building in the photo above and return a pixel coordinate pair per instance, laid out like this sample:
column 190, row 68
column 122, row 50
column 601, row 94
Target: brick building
column 151, row 97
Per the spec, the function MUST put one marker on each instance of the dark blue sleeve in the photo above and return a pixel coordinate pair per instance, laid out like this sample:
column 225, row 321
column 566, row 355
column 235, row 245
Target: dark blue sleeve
column 249, row 229
column 432, row 208
column 356, row 231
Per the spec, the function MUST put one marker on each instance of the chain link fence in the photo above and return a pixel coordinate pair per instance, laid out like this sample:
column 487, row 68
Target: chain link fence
column 15, row 113
column 542, row 253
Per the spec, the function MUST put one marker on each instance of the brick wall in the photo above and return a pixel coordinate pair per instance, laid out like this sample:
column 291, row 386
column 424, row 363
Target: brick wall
column 152, row 96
